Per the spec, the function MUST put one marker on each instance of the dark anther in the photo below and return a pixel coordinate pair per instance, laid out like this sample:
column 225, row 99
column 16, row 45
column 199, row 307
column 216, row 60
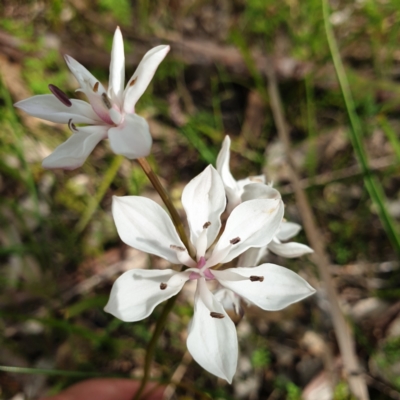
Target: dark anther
column 235, row 241
column 96, row 87
column 163, row 286
column 133, row 81
column 254, row 278
column 179, row 248
column 60, row 95
column 72, row 126
column 206, row 225
column 217, row 315
column 106, row 101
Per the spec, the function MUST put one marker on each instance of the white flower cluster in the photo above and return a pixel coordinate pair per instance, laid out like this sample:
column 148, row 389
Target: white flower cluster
column 254, row 224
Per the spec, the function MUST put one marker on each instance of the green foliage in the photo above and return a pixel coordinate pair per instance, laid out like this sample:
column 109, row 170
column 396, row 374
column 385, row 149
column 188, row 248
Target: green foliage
column 260, row 358
column 120, row 9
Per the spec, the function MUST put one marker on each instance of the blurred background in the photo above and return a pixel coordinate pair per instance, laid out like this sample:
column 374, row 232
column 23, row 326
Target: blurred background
column 59, row 250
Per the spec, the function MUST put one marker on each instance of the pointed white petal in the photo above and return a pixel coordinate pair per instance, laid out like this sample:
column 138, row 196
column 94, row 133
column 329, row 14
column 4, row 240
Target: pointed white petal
column 117, row 69
column 278, row 288
column 82, row 75
column 142, row 76
column 254, row 222
column 212, row 342
column 137, row 292
column 203, row 199
column 132, row 138
column 251, row 257
column 289, row 250
column 287, row 230
column 259, row 191
column 232, row 189
column 49, row 108
column 144, row 225
column 73, row 153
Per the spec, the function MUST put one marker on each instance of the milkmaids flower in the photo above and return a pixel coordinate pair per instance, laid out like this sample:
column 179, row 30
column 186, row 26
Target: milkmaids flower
column 109, row 114
column 143, row 224
column 252, row 188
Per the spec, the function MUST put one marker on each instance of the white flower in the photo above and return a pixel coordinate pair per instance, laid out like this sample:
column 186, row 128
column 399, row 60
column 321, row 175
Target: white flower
column 109, row 114
column 143, row 224
column 255, row 188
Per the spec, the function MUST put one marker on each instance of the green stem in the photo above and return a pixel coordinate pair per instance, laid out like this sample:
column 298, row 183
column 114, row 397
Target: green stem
column 151, row 347
column 374, row 189
column 167, row 201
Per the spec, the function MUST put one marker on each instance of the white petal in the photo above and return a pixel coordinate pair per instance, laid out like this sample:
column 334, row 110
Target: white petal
column 73, row 153
column 279, row 287
column 251, row 257
column 212, row 342
column 117, row 69
column 142, row 76
column 287, row 230
column 254, row 222
column 289, row 250
column 137, row 292
column 203, row 199
column 132, row 138
column 144, row 225
column 232, row 189
column 82, row 75
column 259, row 191
column 49, row 108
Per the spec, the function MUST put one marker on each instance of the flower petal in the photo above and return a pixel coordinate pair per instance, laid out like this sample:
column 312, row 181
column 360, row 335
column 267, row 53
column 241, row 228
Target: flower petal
column 49, row 108
column 254, row 223
column 73, row 153
column 117, row 69
column 251, row 257
column 203, row 199
column 132, row 138
column 212, row 342
column 287, row 230
column 232, row 189
column 259, row 191
column 289, row 250
column 277, row 287
column 137, row 292
column 144, row 225
column 142, row 76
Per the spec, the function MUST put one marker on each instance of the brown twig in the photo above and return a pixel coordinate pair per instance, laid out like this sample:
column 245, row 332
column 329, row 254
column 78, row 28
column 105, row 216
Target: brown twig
column 343, row 333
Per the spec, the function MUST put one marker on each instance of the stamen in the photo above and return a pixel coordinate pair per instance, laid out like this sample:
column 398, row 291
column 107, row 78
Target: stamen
column 178, row 248
column 217, row 315
column 133, row 81
column 72, row 126
column 106, row 101
column 254, row 278
column 206, row 225
column 60, row 95
column 235, row 240
column 163, row 286
column 96, row 87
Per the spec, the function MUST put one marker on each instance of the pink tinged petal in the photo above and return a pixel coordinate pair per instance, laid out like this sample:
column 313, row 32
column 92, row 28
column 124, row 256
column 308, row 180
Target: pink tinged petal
column 268, row 286
column 132, row 138
column 144, row 225
column 203, row 199
column 49, row 108
column 117, row 69
column 232, row 189
column 287, row 230
column 254, row 223
column 142, row 76
column 212, row 341
column 137, row 292
column 73, row 153
column 289, row 250
column 259, row 191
